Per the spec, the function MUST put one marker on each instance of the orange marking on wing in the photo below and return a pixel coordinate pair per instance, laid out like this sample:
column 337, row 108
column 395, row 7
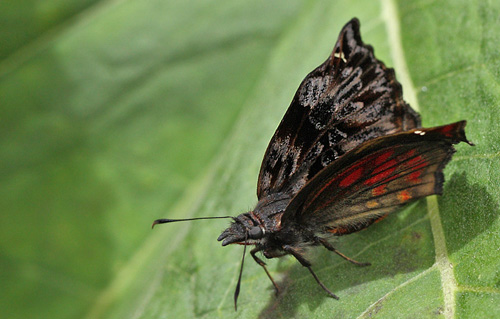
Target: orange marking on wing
column 339, row 231
column 379, row 190
column 351, row 178
column 371, row 204
column 404, row 196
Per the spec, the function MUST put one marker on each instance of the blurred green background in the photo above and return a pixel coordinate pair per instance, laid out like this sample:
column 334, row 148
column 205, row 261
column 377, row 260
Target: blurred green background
column 114, row 113
column 109, row 110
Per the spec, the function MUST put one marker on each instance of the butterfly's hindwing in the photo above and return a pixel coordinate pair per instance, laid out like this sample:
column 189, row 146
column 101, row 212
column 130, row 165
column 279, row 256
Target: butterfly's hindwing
column 375, row 179
column 349, row 99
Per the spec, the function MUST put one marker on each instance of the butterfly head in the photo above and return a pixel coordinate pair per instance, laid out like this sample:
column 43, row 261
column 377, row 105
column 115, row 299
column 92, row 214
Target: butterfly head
column 245, row 229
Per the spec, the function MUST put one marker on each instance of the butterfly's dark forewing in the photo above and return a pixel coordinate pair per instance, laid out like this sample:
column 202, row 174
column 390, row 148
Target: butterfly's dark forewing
column 351, row 98
column 375, row 179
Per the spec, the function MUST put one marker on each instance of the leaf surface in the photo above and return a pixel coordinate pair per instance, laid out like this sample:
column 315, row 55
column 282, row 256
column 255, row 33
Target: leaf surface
column 143, row 110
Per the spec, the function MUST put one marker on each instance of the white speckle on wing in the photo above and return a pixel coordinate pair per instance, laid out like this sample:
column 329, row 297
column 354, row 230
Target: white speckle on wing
column 340, row 55
column 312, row 89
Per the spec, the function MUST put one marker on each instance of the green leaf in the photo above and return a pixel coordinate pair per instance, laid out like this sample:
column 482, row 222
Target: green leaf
column 145, row 109
column 27, row 24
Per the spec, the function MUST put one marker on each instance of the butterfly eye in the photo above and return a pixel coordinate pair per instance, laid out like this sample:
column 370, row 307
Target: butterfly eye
column 256, row 232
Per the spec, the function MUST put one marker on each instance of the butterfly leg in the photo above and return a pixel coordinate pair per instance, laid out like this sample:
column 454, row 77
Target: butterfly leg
column 307, row 264
column 328, row 246
column 263, row 264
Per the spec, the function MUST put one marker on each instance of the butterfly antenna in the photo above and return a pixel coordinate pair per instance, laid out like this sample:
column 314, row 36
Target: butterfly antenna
column 165, row 220
column 237, row 290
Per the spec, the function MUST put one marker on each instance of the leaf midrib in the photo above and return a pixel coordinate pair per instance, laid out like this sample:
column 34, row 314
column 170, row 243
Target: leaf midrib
column 448, row 281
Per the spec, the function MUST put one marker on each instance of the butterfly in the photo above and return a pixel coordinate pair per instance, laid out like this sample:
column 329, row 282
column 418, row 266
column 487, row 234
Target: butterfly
column 348, row 152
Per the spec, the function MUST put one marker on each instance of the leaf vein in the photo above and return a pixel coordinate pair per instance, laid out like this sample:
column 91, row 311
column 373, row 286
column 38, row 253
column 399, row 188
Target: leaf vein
column 489, row 290
column 448, row 283
column 366, row 313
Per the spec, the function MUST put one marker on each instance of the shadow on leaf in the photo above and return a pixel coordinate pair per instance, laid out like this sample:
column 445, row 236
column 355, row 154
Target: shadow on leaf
column 466, row 211
column 398, row 248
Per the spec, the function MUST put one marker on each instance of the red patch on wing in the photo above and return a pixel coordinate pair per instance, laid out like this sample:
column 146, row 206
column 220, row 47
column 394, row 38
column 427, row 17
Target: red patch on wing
column 383, row 157
column 379, row 177
column 385, row 166
column 404, row 157
column 415, row 164
column 352, row 177
column 415, row 161
column 447, row 129
column 414, row 177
